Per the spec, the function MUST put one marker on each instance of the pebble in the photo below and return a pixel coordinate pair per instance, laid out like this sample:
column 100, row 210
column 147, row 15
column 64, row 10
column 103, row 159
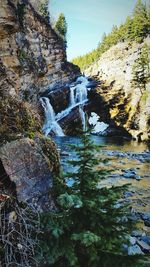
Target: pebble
column 128, row 194
column 131, row 174
column 137, row 177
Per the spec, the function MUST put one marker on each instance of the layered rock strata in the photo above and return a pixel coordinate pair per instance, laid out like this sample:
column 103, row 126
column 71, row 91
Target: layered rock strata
column 128, row 105
column 33, row 56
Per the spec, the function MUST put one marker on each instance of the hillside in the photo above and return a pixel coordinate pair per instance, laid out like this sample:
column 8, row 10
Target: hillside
column 121, row 65
column 127, row 100
column 135, row 28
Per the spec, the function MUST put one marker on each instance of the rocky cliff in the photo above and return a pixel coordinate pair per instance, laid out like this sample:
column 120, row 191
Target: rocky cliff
column 33, row 57
column 126, row 103
column 32, row 61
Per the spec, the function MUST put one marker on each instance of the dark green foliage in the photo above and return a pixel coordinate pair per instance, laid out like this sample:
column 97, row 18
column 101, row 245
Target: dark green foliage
column 61, row 26
column 135, row 28
column 91, row 225
column 43, row 9
column 141, row 70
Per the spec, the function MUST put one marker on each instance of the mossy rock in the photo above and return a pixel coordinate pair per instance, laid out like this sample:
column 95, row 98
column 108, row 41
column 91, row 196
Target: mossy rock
column 49, row 148
column 18, row 118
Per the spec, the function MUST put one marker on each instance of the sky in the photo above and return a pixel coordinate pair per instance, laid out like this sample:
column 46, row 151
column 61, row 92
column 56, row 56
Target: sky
column 88, row 19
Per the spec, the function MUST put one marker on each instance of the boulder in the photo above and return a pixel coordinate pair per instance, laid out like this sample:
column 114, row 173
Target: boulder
column 144, row 246
column 24, row 165
column 72, row 123
column 146, row 239
column 134, row 250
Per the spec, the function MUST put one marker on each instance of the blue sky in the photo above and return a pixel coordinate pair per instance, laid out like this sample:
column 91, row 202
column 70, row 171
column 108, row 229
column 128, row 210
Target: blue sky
column 88, row 19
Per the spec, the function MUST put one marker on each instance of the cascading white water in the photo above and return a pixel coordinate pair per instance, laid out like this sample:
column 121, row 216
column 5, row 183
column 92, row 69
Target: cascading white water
column 83, row 119
column 78, row 96
column 72, row 96
column 50, row 122
column 78, row 93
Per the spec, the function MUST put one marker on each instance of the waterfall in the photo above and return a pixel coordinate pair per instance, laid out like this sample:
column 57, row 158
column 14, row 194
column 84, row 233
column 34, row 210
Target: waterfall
column 50, row 122
column 72, row 96
column 78, row 96
column 83, row 119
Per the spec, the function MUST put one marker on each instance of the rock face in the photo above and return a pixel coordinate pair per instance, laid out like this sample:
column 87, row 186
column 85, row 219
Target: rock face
column 24, row 165
column 32, row 61
column 59, row 98
column 72, row 123
column 127, row 105
column 33, row 57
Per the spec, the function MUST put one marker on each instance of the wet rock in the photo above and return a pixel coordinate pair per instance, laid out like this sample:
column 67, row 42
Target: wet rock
column 30, row 171
column 128, row 194
column 133, row 250
column 132, row 240
column 146, row 218
column 144, row 246
column 72, row 123
column 146, row 239
column 59, row 98
column 138, row 177
column 131, row 174
column 137, row 233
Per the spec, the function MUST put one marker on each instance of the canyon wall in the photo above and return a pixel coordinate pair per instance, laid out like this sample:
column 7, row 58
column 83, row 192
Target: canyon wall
column 33, row 56
column 32, row 61
column 127, row 103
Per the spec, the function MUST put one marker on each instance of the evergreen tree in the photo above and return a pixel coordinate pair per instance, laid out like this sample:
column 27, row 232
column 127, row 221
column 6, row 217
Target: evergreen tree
column 128, row 29
column 61, row 26
column 91, row 224
column 140, row 22
column 141, row 69
column 135, row 28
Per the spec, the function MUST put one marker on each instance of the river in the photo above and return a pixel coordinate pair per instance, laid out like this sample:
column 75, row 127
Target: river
column 130, row 162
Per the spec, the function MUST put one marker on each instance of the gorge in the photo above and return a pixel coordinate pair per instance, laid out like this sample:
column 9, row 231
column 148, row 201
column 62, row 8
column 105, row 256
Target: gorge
column 45, row 102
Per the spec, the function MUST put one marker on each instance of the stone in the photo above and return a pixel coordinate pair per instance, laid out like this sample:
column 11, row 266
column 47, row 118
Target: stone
column 146, row 218
column 134, row 250
column 128, row 194
column 137, row 177
column 137, row 233
column 72, row 122
column 31, row 172
column 129, row 175
column 146, row 239
column 132, row 240
column 144, row 246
